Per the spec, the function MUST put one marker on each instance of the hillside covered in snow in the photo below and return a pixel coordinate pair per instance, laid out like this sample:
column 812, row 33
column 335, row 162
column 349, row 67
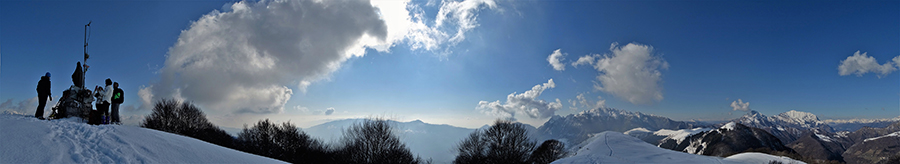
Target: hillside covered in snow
column 25, row 139
column 615, row 147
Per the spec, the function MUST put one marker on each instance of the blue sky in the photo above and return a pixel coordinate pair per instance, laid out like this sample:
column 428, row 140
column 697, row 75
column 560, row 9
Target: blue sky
column 437, row 61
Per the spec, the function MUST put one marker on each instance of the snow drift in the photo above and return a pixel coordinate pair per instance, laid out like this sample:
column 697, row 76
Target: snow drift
column 25, row 139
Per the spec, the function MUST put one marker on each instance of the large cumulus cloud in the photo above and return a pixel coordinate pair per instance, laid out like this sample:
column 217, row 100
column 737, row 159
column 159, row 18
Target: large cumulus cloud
column 631, row 72
column 242, row 60
column 248, row 57
column 525, row 103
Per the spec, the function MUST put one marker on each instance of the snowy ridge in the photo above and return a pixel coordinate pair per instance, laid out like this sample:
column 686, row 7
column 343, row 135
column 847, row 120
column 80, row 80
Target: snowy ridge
column 681, row 134
column 753, row 157
column 728, row 126
column 824, row 137
column 615, row 147
column 787, row 126
column 699, row 147
column 638, row 130
column 895, row 134
column 25, row 139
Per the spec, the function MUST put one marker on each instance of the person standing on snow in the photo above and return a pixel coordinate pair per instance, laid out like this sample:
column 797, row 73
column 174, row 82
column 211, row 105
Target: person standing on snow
column 43, row 91
column 104, row 94
column 117, row 99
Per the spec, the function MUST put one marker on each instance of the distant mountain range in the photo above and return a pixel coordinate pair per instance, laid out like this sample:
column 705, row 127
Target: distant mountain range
column 731, row 138
column 794, row 132
column 818, row 140
column 575, row 128
column 855, row 124
column 801, row 132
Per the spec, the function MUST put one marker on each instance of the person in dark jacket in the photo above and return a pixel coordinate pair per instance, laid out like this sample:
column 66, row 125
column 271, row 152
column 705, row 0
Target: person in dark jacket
column 117, row 99
column 76, row 76
column 43, row 91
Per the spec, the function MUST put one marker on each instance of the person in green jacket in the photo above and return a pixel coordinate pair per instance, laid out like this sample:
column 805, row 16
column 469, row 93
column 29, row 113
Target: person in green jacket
column 117, row 99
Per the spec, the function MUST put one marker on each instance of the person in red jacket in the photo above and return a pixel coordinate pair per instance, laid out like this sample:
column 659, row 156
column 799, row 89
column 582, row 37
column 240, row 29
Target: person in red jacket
column 43, row 91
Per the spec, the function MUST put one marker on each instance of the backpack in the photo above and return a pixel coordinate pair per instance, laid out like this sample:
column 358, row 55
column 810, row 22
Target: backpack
column 118, row 96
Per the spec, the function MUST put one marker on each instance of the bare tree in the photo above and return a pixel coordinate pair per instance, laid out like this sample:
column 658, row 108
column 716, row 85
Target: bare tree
column 504, row 142
column 373, row 141
column 549, row 151
column 285, row 142
column 472, row 149
column 163, row 116
column 171, row 116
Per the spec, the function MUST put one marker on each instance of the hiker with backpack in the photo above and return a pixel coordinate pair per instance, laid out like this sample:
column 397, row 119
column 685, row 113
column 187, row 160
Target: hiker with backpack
column 117, row 99
column 43, row 91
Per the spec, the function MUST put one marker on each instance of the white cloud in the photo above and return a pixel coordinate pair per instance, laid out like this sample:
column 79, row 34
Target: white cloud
column 453, row 20
column 146, row 95
column 860, row 64
column 740, row 105
column 27, row 106
column 132, row 120
column 585, row 103
column 301, row 109
column 897, row 61
column 463, row 14
column 329, row 111
column 585, row 60
column 307, row 111
column 556, row 59
column 524, row 103
column 243, row 59
column 630, row 72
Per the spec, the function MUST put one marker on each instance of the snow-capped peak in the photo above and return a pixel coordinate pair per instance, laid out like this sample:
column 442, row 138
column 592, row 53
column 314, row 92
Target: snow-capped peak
column 604, row 111
column 754, row 115
column 804, row 119
column 799, row 116
column 728, row 126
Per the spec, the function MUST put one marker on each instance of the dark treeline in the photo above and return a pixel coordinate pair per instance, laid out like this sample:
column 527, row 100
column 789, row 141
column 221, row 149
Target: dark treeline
column 370, row 141
column 506, row 142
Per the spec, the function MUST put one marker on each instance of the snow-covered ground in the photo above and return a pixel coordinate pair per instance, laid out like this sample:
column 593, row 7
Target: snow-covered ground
column 25, row 139
column 615, row 147
column 761, row 158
